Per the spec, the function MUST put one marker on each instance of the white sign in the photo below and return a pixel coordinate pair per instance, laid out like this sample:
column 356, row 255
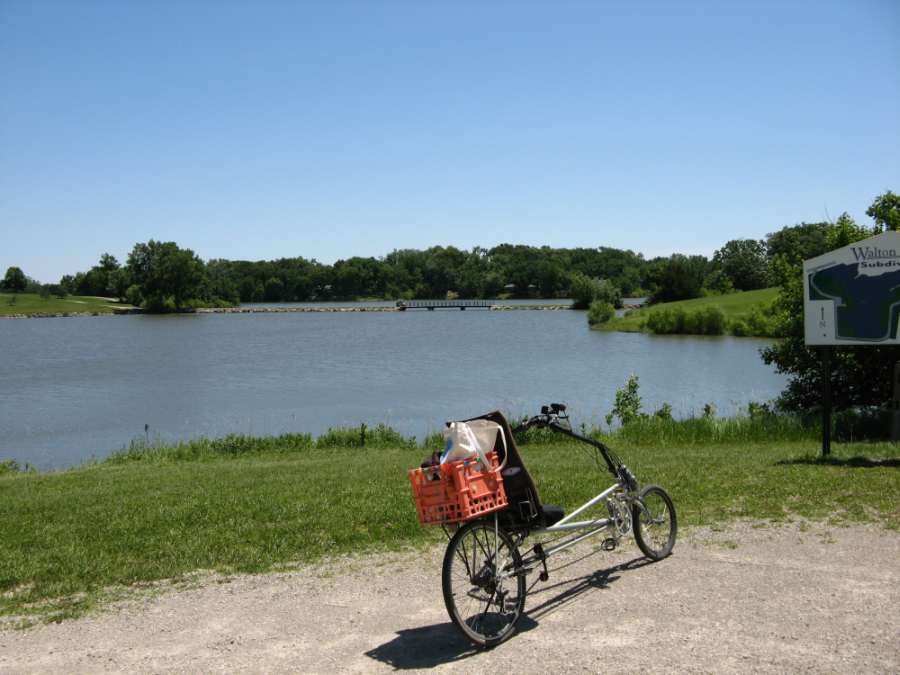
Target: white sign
column 851, row 296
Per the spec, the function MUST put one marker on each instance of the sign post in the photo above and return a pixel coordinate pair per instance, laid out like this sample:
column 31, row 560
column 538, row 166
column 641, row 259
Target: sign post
column 851, row 296
column 895, row 407
column 826, row 401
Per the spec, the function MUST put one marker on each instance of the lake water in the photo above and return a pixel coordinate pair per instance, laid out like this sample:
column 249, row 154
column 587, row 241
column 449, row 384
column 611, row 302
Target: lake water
column 76, row 388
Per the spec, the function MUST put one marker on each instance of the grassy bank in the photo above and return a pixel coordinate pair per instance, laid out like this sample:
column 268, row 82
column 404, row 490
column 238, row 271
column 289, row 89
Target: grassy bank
column 258, row 504
column 736, row 307
column 30, row 304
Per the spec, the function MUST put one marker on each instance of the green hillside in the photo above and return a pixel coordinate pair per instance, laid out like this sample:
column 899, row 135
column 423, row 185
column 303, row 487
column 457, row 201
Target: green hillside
column 32, row 303
column 733, row 305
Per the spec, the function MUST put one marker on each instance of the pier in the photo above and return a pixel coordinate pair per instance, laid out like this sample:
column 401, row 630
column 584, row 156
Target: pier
column 431, row 305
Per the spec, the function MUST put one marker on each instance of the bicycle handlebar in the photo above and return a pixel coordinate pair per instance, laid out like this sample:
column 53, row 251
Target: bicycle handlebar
column 550, row 418
column 549, row 415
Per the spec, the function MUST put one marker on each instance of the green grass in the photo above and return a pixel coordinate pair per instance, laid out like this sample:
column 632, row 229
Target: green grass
column 733, row 305
column 74, row 538
column 32, row 303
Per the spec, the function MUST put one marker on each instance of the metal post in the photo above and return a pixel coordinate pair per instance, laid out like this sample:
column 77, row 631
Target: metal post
column 826, row 401
column 895, row 405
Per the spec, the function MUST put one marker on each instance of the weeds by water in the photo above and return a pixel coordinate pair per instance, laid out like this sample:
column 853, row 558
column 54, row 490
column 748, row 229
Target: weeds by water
column 236, row 445
column 640, row 431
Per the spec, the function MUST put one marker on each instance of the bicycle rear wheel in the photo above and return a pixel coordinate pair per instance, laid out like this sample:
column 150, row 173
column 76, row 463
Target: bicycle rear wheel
column 484, row 597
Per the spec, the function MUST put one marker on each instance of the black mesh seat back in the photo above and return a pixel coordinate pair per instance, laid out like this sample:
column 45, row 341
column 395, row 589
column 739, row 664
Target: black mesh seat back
column 520, row 489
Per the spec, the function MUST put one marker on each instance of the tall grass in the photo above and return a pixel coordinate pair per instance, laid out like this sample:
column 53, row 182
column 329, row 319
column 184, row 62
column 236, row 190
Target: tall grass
column 711, row 430
column 235, row 445
column 759, row 427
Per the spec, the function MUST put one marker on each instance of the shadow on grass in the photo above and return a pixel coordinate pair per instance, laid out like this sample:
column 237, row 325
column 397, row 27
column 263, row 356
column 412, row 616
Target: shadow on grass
column 437, row 644
column 857, row 462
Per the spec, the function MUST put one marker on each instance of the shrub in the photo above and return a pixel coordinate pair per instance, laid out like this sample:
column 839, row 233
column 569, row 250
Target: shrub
column 600, row 312
column 664, row 412
column 585, row 290
column 133, row 295
column 608, row 292
column 677, row 321
column 862, row 423
column 627, row 406
column 9, row 466
column 739, row 328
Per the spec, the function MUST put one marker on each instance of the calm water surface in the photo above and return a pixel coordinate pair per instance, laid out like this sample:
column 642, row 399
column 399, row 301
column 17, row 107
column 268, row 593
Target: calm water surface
column 77, row 388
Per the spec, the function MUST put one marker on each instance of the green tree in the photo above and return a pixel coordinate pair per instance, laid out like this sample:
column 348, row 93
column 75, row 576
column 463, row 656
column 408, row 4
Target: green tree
column 796, row 243
column 169, row 278
column 609, row 293
column 744, row 262
column 583, row 290
column 678, row 277
column 15, row 280
column 627, row 406
column 861, row 375
column 67, row 283
column 885, row 211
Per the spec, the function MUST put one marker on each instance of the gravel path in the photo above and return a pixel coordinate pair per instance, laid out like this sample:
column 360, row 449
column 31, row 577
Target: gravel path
column 805, row 598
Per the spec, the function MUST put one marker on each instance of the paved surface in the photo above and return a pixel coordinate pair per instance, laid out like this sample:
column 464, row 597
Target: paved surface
column 778, row 599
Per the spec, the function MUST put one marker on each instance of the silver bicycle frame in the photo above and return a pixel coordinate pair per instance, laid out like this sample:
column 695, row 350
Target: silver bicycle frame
column 584, row 528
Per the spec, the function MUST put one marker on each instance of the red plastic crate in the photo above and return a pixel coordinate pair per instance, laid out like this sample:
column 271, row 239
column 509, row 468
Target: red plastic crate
column 459, row 492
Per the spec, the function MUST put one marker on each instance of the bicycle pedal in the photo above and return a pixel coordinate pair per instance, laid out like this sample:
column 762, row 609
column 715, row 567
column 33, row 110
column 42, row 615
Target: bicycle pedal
column 543, row 576
column 609, row 544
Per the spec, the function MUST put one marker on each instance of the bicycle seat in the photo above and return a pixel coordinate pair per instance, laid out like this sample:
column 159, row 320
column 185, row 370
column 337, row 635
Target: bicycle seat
column 552, row 514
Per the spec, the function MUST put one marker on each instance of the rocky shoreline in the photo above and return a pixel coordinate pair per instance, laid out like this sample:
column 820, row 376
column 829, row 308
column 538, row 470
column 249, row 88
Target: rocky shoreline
column 282, row 310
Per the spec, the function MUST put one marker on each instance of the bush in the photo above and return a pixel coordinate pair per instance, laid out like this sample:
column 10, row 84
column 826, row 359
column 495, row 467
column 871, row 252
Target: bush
column 600, row 312
column 159, row 304
column 133, row 295
column 664, row 412
column 712, row 320
column 739, row 328
column 862, row 423
column 9, row 466
column 705, row 321
column 760, row 322
column 585, row 290
column 627, row 406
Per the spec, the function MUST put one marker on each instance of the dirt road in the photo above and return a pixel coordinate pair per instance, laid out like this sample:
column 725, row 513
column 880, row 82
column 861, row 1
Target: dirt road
column 786, row 599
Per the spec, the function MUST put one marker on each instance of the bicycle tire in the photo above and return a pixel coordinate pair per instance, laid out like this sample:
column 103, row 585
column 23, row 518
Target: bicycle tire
column 658, row 510
column 467, row 576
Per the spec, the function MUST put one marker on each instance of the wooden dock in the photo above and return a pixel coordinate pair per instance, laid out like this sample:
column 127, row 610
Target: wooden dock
column 432, row 305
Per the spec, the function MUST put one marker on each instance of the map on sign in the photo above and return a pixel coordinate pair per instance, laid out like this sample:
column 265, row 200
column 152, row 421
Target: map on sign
column 852, row 295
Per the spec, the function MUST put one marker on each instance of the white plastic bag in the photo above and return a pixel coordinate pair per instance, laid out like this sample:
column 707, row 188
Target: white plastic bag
column 469, row 440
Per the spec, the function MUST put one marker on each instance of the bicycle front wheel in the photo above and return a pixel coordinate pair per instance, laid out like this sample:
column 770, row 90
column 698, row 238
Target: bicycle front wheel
column 655, row 523
column 484, row 586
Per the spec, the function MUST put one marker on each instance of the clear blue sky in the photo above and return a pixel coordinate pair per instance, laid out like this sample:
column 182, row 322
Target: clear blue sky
column 258, row 130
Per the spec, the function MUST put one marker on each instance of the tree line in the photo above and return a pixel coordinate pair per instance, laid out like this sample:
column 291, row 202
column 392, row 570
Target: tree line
column 161, row 276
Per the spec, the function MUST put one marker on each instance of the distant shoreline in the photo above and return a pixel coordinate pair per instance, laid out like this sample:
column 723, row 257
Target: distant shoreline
column 282, row 310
